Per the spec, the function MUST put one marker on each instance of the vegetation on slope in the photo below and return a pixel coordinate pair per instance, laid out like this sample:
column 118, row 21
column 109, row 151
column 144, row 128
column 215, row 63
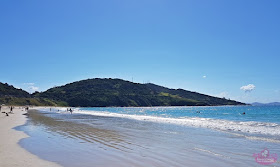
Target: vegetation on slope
column 116, row 92
column 9, row 90
column 109, row 92
column 10, row 95
column 22, row 101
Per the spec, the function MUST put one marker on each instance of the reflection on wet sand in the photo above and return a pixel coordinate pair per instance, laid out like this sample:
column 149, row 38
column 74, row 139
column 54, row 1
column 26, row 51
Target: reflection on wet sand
column 79, row 131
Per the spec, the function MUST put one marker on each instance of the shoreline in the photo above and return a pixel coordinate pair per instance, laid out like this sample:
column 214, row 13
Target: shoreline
column 75, row 139
column 84, row 139
column 11, row 153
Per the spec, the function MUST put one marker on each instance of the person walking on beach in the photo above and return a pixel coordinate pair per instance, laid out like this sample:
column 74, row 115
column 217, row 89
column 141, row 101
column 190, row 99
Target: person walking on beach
column 11, row 109
column 71, row 110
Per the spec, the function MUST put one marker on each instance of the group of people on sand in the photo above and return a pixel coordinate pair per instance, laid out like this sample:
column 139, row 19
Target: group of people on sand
column 10, row 108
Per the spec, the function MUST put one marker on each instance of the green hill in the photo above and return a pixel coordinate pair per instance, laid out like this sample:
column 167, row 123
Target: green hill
column 116, row 92
column 10, row 95
column 10, row 91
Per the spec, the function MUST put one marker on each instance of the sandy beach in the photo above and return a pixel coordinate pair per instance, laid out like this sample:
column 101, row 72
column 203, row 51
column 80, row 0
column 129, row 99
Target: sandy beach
column 11, row 154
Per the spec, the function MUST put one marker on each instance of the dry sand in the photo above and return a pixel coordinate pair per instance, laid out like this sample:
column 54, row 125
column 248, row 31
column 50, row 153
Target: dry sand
column 11, row 154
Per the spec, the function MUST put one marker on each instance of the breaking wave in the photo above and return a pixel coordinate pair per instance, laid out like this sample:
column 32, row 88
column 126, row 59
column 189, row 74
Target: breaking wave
column 217, row 124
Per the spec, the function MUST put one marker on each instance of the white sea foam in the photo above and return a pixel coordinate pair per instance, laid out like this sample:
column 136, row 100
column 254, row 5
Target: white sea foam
column 218, row 124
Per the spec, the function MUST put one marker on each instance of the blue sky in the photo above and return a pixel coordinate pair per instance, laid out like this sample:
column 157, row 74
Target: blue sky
column 213, row 47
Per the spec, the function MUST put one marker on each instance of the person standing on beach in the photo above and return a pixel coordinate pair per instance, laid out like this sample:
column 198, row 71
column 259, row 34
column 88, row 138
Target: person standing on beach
column 1, row 109
column 71, row 110
column 11, row 109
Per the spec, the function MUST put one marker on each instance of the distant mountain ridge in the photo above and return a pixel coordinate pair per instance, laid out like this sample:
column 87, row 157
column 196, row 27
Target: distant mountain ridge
column 266, row 104
column 9, row 95
column 106, row 92
column 7, row 90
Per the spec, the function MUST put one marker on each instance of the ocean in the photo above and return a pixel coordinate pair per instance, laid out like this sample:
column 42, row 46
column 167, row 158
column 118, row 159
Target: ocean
column 258, row 120
column 153, row 136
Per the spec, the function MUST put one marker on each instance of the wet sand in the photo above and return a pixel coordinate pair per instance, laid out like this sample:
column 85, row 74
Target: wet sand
column 86, row 140
column 11, row 153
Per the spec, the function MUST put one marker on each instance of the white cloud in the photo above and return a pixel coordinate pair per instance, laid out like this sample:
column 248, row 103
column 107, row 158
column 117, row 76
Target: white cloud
column 28, row 83
column 204, row 76
column 222, row 94
column 248, row 88
column 33, row 89
column 17, row 87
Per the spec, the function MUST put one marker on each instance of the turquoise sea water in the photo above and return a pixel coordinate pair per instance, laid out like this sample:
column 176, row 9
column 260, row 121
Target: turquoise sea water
column 233, row 113
column 257, row 120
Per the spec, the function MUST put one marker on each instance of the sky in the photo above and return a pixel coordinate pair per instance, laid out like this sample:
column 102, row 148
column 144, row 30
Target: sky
column 220, row 47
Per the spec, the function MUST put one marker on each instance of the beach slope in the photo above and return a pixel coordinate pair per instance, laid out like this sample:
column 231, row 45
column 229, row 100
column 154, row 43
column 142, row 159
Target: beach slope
column 11, row 154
